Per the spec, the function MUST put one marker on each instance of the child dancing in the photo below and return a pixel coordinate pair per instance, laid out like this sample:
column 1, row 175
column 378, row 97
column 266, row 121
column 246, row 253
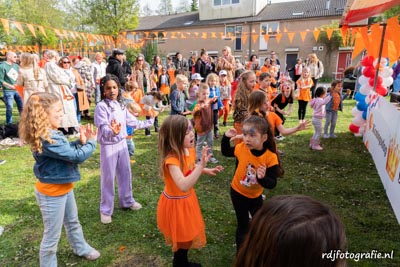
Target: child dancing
column 178, row 213
column 56, row 169
column 111, row 118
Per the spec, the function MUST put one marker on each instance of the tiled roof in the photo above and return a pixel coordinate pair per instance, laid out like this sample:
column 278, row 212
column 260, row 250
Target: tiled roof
column 275, row 11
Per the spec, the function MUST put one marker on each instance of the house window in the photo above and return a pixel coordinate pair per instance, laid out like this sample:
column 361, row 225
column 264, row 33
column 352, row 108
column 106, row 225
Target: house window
column 235, row 31
column 270, row 28
column 225, row 2
column 160, row 37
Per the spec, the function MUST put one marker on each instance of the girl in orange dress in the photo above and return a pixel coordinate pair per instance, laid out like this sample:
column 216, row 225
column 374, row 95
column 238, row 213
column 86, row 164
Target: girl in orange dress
column 164, row 85
column 178, row 213
column 303, row 92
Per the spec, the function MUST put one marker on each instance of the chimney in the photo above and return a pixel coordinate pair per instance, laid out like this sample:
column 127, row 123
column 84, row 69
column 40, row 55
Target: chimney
column 328, row 4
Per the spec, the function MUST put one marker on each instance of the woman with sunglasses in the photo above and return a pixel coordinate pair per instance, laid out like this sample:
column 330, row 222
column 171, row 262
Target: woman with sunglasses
column 60, row 84
column 77, row 87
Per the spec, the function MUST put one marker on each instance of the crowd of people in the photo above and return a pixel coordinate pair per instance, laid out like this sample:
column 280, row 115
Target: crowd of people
column 197, row 93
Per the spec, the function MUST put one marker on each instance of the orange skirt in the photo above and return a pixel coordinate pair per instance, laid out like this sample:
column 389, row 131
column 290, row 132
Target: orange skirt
column 180, row 221
column 165, row 89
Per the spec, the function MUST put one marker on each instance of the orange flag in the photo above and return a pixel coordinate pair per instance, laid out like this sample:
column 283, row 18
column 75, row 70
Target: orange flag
column 266, row 37
column 329, row 33
column 291, row 36
column 19, row 27
column 278, row 37
column 358, row 45
column 344, row 30
column 31, row 29
column 41, row 29
column 6, row 25
column 303, row 35
column 316, row 34
column 375, row 39
column 254, row 37
column 244, row 38
column 204, row 35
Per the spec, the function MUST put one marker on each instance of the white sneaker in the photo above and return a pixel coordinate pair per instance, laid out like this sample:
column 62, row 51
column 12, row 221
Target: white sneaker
column 136, row 206
column 333, row 136
column 213, row 160
column 326, row 135
column 105, row 219
column 92, row 255
column 2, row 161
column 279, row 137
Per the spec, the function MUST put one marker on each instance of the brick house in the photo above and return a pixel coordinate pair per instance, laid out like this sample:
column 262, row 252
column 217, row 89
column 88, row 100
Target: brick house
column 243, row 25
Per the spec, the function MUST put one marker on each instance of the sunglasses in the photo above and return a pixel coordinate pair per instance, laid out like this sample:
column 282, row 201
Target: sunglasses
column 66, row 62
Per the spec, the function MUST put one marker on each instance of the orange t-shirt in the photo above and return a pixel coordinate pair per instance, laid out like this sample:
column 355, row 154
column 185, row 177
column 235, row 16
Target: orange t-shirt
column 245, row 179
column 54, row 190
column 273, row 120
column 304, row 86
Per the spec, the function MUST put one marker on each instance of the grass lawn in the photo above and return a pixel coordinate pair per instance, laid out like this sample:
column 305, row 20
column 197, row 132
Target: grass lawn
column 342, row 175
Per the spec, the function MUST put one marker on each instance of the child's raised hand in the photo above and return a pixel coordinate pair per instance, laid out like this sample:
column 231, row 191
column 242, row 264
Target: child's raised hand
column 231, row 133
column 348, row 91
column 261, row 171
column 213, row 171
column 304, row 125
column 87, row 132
column 115, row 127
column 205, row 156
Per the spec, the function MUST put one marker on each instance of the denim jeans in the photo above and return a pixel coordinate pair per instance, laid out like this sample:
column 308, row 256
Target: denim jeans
column 208, row 138
column 330, row 120
column 97, row 94
column 9, row 97
column 57, row 211
column 78, row 112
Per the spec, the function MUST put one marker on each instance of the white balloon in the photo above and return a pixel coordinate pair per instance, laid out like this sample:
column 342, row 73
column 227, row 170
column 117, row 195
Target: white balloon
column 356, row 112
column 383, row 62
column 358, row 121
column 387, row 81
column 365, row 89
column 363, row 80
column 386, row 72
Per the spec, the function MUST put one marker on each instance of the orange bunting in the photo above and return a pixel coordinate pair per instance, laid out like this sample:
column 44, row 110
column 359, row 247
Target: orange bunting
column 266, row 37
column 19, row 27
column 254, row 37
column 329, row 33
column 278, row 37
column 31, row 29
column 6, row 25
column 244, row 38
column 291, row 36
column 316, row 34
column 41, row 29
column 303, row 35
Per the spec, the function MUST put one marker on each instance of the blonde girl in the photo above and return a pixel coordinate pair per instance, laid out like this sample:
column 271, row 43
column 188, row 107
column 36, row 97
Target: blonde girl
column 246, row 84
column 213, row 82
column 178, row 200
column 56, row 169
column 304, row 85
column 225, row 89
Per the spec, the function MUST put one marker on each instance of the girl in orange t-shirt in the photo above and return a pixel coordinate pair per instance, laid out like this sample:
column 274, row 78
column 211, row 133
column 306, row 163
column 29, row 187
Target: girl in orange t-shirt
column 178, row 213
column 303, row 92
column 257, row 167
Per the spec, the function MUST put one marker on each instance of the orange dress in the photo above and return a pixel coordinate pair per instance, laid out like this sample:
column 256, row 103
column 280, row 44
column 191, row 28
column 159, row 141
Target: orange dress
column 178, row 213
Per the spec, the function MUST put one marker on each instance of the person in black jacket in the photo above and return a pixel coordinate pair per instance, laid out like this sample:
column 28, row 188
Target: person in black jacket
column 115, row 66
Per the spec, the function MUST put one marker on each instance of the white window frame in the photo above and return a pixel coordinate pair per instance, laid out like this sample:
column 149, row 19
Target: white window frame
column 271, row 28
column 237, row 34
column 225, row 2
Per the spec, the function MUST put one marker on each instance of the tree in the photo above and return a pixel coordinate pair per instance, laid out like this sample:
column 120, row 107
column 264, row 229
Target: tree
column 331, row 44
column 165, row 8
column 146, row 11
column 110, row 17
column 183, row 7
column 194, row 5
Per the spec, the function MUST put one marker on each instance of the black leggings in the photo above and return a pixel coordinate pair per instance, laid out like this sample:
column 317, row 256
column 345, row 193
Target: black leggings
column 243, row 206
column 302, row 109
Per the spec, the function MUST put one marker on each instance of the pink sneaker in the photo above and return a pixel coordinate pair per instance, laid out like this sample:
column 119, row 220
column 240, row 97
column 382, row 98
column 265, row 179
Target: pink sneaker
column 92, row 255
column 136, row 206
column 105, row 219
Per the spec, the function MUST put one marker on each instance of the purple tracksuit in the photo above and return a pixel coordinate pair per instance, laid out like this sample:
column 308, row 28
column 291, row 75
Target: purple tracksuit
column 114, row 155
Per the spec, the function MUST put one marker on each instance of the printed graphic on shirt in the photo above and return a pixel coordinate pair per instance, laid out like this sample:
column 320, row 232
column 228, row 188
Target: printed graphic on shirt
column 12, row 74
column 251, row 176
